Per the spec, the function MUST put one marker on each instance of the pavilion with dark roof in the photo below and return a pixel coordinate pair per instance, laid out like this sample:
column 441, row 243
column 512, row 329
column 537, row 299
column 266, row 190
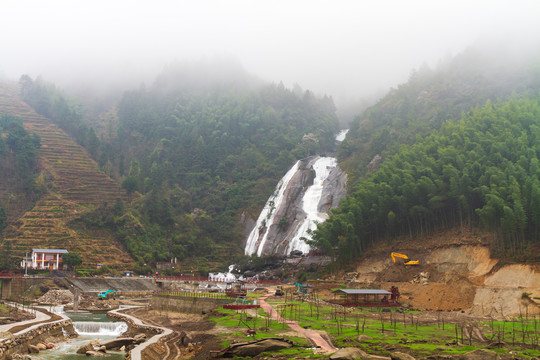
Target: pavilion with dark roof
column 367, row 297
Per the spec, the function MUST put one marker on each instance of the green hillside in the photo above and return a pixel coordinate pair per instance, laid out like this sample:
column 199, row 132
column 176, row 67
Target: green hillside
column 432, row 96
column 204, row 155
column 197, row 151
column 69, row 185
column 481, row 171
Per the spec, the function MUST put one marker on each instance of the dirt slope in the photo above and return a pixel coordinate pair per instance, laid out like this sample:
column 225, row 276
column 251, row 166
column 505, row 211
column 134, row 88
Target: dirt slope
column 458, row 275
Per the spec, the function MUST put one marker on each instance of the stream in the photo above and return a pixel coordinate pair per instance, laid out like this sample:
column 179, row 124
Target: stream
column 89, row 326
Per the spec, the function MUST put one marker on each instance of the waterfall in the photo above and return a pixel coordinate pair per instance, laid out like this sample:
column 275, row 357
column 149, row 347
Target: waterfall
column 267, row 215
column 310, row 204
column 341, row 135
column 225, row 277
column 294, row 207
column 115, row 328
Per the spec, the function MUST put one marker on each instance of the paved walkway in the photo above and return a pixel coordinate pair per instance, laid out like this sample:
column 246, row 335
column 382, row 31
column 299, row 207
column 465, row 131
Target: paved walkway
column 317, row 339
column 39, row 318
column 137, row 350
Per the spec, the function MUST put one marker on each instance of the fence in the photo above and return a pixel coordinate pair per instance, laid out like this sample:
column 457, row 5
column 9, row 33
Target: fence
column 222, row 280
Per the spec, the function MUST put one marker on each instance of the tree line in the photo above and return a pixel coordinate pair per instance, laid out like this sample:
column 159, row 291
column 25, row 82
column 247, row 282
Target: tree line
column 193, row 153
column 482, row 170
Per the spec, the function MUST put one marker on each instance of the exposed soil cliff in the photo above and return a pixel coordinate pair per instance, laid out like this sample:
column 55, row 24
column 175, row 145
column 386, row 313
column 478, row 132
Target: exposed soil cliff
column 459, row 274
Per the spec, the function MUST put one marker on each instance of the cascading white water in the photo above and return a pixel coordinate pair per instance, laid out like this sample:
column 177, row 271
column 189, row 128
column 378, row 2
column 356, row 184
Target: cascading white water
column 310, row 204
column 114, row 328
column 302, row 223
column 267, row 214
column 225, row 277
column 341, row 135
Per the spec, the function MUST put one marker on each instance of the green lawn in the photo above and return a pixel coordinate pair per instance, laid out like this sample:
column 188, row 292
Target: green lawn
column 388, row 331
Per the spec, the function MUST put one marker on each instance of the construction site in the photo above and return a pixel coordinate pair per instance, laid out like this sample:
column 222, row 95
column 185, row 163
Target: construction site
column 444, row 299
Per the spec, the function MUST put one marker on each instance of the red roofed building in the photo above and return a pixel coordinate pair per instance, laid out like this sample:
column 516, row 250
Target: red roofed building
column 45, row 259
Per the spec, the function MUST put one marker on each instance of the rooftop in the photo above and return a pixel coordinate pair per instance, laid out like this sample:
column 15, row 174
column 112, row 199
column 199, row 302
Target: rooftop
column 50, row 251
column 364, row 291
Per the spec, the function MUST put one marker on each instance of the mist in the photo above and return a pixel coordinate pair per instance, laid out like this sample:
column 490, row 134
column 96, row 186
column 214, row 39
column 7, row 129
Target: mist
column 347, row 49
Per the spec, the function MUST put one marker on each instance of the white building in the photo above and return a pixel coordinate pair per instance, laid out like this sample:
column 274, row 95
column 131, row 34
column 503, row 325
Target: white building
column 44, row 259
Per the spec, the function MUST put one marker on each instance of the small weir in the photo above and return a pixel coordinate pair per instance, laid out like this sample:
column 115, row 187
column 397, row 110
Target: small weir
column 100, row 328
column 90, row 327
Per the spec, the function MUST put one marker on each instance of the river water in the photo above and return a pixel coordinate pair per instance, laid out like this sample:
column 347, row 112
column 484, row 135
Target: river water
column 89, row 327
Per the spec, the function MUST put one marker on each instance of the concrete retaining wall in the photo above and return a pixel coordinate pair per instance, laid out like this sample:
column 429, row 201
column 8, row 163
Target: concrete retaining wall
column 186, row 304
column 13, row 288
column 89, row 285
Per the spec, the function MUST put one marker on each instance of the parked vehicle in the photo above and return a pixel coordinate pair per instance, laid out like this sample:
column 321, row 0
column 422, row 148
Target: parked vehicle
column 104, row 295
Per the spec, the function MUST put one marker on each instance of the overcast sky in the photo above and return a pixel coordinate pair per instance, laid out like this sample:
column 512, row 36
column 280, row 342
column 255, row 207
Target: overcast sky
column 347, row 49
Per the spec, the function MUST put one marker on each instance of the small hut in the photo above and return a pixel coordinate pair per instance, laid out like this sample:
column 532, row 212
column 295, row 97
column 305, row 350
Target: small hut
column 367, row 297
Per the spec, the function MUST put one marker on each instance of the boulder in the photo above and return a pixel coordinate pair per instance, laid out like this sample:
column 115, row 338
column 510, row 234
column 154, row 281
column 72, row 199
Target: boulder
column 41, row 346
column 480, row 354
column 89, row 347
column 364, row 338
column 116, row 344
column 401, row 356
column 33, row 349
column 439, row 357
column 85, row 348
column 139, row 338
column 184, row 338
column 441, row 348
column 350, row 353
column 96, row 354
column 254, row 349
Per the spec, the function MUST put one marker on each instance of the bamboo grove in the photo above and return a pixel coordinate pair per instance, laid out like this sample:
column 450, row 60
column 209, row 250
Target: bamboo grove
column 481, row 171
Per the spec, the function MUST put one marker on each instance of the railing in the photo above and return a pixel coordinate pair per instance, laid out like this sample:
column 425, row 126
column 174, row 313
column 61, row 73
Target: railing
column 208, row 279
column 10, row 275
column 205, row 295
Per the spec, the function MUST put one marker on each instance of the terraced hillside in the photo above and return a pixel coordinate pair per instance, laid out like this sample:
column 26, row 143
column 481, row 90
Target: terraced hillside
column 77, row 186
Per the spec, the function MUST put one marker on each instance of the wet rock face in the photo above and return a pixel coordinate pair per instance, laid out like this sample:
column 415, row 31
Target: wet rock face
column 289, row 216
column 334, row 190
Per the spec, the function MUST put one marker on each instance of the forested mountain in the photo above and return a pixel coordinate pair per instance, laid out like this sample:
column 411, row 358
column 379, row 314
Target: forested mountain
column 18, row 155
column 195, row 151
column 201, row 155
column 454, row 147
column 482, row 170
column 432, row 96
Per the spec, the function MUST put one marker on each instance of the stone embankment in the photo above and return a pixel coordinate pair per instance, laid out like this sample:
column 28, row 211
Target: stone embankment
column 20, row 342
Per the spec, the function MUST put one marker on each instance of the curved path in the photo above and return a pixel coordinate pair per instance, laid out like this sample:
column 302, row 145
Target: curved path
column 316, row 337
column 313, row 335
column 40, row 320
column 137, row 351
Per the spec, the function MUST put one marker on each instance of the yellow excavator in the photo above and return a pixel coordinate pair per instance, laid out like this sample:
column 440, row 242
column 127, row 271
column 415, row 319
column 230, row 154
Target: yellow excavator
column 410, row 262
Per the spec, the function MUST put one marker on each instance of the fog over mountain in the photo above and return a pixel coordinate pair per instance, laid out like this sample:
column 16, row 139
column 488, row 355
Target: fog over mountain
column 347, row 49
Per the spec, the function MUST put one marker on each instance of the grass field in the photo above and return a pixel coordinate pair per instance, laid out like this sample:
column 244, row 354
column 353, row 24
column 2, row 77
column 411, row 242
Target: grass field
column 380, row 332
